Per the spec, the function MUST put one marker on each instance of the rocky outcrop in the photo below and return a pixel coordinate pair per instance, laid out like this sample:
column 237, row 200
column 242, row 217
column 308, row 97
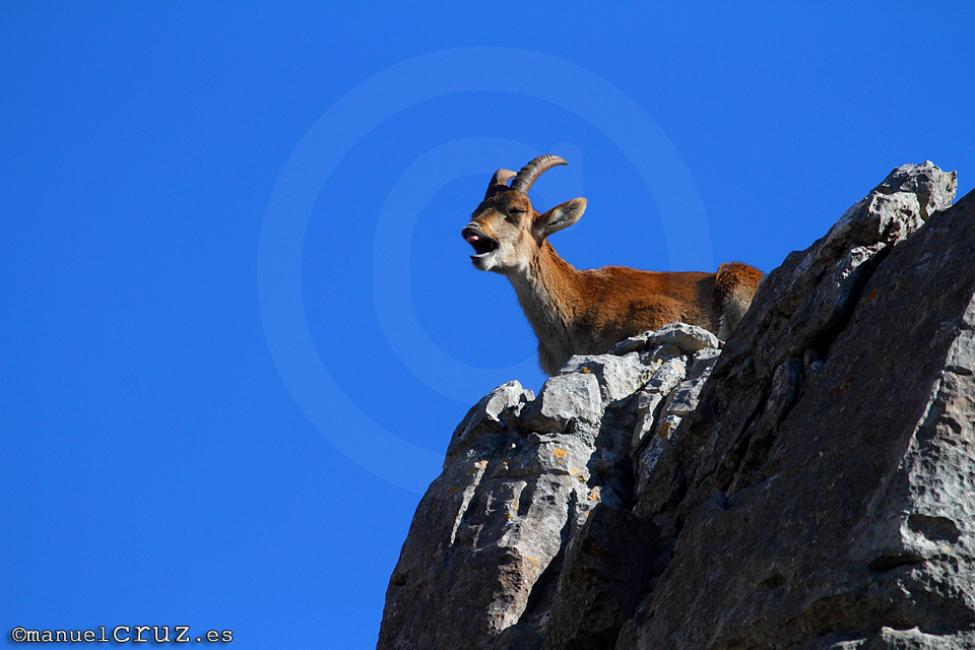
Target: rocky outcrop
column 524, row 476
column 809, row 484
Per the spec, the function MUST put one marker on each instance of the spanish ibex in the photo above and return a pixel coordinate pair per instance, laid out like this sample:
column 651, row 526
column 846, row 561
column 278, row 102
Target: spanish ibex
column 587, row 312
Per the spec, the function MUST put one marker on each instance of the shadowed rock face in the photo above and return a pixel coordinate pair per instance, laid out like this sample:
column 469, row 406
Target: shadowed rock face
column 810, row 485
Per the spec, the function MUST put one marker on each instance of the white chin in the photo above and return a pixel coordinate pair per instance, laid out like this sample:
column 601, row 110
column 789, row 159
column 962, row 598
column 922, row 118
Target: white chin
column 483, row 262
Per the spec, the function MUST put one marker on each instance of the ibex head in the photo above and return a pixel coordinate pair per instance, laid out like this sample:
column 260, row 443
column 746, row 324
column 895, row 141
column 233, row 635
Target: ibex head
column 505, row 231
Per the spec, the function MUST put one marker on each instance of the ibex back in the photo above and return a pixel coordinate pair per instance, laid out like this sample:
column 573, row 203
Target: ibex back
column 587, row 312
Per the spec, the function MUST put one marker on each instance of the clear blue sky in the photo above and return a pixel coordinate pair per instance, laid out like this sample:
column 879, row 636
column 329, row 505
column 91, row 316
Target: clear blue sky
column 239, row 323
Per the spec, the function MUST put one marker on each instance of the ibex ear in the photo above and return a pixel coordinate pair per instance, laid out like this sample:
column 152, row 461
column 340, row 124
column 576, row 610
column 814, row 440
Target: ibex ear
column 559, row 217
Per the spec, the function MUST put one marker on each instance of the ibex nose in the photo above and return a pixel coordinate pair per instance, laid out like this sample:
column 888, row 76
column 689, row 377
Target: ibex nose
column 471, row 234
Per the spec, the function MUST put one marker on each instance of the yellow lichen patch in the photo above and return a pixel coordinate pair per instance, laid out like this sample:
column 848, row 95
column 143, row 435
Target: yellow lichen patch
column 594, row 494
column 511, row 512
column 481, row 464
column 585, row 370
column 534, row 561
column 560, row 453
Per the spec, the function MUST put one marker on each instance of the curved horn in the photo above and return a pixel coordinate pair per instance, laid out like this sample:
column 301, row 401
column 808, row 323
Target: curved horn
column 499, row 181
column 535, row 168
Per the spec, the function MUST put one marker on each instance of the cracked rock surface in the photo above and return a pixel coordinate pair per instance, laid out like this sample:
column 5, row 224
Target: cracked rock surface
column 809, row 484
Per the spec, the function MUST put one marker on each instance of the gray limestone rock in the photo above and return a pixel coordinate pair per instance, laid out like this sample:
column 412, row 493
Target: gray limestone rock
column 826, row 488
column 564, row 401
column 494, row 412
column 618, row 376
column 486, row 531
column 688, row 338
column 668, row 375
column 810, row 486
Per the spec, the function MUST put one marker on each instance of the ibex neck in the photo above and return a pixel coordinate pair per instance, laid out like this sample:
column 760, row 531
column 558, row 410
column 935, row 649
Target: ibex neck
column 546, row 290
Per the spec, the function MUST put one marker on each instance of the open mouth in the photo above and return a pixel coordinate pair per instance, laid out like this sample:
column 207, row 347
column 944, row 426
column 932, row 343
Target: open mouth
column 481, row 243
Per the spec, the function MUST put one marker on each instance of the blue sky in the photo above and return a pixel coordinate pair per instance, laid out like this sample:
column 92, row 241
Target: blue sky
column 239, row 323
